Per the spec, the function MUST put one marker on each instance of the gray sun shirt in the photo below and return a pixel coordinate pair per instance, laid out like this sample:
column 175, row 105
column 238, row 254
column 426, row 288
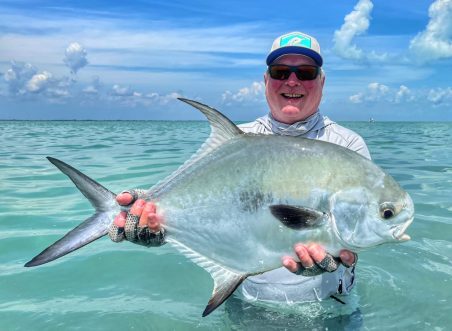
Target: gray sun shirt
column 281, row 285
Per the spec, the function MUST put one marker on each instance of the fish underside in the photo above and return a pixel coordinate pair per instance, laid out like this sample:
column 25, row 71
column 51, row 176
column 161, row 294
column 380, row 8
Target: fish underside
column 243, row 200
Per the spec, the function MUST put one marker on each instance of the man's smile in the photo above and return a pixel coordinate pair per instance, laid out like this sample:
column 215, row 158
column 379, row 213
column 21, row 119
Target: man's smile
column 292, row 95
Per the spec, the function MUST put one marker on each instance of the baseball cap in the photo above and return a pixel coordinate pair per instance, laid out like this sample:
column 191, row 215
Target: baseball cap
column 295, row 43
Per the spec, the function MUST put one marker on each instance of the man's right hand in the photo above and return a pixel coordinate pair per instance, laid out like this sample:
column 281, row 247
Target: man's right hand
column 141, row 225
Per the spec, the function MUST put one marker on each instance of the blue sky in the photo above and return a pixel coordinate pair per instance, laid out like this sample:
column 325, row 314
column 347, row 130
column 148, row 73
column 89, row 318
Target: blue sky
column 390, row 60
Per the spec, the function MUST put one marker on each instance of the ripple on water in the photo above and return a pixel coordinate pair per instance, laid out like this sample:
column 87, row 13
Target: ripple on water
column 126, row 286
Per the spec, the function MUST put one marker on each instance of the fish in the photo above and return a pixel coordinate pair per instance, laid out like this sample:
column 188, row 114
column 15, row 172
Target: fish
column 242, row 201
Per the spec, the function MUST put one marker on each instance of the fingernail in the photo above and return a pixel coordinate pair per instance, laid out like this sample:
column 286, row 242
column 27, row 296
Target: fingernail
column 286, row 261
column 120, row 219
column 300, row 250
column 345, row 256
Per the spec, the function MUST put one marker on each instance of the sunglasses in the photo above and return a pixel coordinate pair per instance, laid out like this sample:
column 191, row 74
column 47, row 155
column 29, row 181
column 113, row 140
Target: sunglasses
column 303, row 72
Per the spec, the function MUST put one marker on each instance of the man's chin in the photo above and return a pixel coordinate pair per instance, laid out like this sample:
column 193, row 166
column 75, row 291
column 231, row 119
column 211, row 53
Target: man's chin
column 292, row 111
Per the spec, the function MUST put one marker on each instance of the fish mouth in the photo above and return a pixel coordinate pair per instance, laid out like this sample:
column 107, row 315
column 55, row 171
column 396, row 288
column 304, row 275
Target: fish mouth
column 398, row 232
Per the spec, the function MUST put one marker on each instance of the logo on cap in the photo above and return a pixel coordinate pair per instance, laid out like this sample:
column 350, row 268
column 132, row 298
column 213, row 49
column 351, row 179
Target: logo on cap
column 295, row 40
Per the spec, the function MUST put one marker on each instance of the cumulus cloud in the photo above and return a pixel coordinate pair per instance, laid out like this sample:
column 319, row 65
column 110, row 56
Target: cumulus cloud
column 94, row 87
column 39, row 82
column 440, row 96
column 376, row 92
column 125, row 95
column 24, row 81
column 403, row 94
column 355, row 23
column 252, row 93
column 17, row 77
column 121, row 91
column 163, row 99
column 435, row 42
column 75, row 57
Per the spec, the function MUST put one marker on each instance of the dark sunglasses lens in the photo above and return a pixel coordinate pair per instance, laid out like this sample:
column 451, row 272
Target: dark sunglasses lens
column 279, row 72
column 282, row 72
column 307, row 72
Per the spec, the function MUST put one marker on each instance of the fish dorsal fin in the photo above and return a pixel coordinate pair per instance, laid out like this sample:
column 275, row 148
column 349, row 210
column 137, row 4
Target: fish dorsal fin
column 297, row 218
column 225, row 281
column 222, row 130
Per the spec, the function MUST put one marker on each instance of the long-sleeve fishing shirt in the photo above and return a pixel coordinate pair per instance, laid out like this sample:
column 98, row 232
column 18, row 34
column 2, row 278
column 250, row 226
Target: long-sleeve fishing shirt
column 280, row 284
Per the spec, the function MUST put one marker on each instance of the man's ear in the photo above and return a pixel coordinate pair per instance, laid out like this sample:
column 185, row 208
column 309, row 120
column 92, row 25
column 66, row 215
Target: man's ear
column 266, row 77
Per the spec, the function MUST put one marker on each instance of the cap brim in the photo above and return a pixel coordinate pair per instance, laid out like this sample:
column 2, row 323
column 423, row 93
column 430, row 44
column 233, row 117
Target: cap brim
column 294, row 50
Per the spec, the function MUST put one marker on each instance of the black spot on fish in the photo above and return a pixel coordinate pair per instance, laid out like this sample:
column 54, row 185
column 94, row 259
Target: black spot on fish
column 251, row 201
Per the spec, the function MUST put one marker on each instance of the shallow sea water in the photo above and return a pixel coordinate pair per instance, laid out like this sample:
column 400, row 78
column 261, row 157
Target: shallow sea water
column 107, row 286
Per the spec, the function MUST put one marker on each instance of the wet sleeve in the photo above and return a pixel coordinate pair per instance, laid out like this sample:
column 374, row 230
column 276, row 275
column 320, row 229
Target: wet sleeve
column 346, row 281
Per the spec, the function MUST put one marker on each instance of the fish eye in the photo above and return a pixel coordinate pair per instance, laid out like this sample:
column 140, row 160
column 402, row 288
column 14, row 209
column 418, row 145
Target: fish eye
column 387, row 210
column 388, row 213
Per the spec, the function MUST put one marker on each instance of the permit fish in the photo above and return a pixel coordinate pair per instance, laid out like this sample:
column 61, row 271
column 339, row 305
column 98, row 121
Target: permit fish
column 242, row 201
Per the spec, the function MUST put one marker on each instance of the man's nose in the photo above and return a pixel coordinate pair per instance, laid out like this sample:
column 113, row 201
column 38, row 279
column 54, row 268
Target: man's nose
column 293, row 80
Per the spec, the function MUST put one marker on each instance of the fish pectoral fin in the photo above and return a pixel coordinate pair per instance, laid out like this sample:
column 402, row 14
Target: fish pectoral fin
column 225, row 283
column 296, row 217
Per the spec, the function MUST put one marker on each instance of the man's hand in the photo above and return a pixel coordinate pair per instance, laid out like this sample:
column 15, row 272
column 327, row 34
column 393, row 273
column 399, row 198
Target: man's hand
column 314, row 260
column 141, row 225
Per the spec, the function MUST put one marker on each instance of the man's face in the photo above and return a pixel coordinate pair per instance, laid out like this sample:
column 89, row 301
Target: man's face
column 293, row 100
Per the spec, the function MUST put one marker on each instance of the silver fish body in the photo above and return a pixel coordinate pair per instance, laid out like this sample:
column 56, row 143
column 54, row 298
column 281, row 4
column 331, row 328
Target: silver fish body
column 220, row 207
column 242, row 201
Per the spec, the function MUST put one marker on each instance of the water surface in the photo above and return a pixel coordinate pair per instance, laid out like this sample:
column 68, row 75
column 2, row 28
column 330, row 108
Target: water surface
column 107, row 286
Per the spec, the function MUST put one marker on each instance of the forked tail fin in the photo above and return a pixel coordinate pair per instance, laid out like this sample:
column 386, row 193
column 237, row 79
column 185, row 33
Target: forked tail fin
column 92, row 228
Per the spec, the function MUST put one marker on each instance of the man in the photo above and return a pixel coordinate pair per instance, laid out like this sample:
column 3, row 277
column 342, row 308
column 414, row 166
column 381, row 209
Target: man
column 293, row 87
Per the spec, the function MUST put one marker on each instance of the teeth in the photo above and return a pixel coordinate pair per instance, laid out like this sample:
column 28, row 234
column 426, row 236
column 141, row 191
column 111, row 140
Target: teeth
column 292, row 95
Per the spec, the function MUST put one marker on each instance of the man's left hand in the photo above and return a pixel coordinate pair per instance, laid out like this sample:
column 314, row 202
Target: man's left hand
column 314, row 260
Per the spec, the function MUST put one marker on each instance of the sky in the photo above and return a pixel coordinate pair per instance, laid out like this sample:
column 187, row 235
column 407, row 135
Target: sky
column 98, row 59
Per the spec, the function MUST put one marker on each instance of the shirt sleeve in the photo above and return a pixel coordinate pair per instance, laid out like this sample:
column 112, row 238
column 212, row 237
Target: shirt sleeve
column 358, row 145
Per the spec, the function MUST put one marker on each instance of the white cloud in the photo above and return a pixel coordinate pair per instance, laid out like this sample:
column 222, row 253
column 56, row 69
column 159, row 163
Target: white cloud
column 75, row 57
column 94, row 87
column 163, row 99
column 17, row 77
column 252, row 93
column 124, row 95
column 357, row 98
column 435, row 42
column 39, row 82
column 403, row 94
column 440, row 96
column 377, row 92
column 121, row 91
column 24, row 81
column 140, row 42
column 355, row 23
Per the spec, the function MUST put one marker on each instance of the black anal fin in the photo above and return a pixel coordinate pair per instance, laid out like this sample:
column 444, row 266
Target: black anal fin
column 297, row 218
column 226, row 282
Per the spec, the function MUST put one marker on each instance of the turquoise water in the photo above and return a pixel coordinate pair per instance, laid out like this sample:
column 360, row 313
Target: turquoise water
column 107, row 286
